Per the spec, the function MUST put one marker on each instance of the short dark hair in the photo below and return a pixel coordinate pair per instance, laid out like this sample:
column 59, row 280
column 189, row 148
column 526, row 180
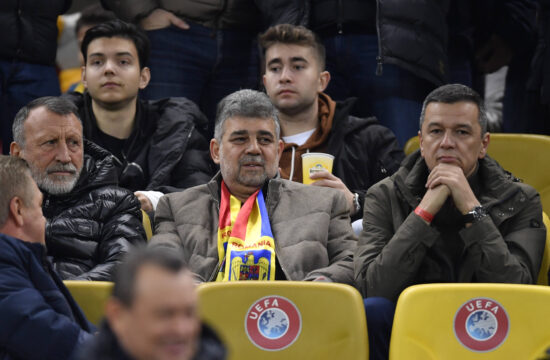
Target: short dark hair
column 293, row 35
column 126, row 272
column 15, row 180
column 55, row 104
column 451, row 94
column 93, row 15
column 121, row 29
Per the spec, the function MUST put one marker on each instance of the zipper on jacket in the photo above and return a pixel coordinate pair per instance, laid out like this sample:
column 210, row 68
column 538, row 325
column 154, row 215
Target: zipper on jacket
column 379, row 58
column 339, row 25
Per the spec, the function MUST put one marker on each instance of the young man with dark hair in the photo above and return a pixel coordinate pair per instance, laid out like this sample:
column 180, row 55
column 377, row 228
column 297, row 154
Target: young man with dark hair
column 159, row 144
column 295, row 78
column 153, row 313
column 40, row 319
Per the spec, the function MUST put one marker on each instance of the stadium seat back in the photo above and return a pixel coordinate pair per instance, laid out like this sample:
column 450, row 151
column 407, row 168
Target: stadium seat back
column 471, row 321
column 286, row 319
column 545, row 265
column 91, row 296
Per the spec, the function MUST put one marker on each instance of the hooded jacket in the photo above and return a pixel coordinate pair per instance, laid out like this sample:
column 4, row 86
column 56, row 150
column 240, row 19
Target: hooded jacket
column 89, row 229
column 397, row 248
column 39, row 318
column 310, row 226
column 364, row 151
column 167, row 149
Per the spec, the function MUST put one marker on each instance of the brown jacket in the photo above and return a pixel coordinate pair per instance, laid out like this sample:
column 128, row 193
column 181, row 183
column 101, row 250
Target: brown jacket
column 310, row 225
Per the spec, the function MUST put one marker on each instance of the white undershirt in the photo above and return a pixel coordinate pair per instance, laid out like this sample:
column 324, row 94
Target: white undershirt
column 300, row 138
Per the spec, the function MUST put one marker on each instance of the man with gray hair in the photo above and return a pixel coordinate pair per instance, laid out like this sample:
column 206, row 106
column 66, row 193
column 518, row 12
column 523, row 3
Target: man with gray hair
column 35, row 305
column 91, row 222
column 249, row 224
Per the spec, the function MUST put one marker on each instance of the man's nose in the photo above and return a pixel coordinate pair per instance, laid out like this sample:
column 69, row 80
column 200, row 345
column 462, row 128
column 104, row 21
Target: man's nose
column 448, row 140
column 253, row 147
column 286, row 75
column 109, row 66
column 63, row 154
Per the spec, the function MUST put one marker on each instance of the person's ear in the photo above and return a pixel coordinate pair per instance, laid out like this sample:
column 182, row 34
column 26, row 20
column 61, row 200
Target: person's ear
column 15, row 149
column 215, row 151
column 324, row 79
column 144, row 78
column 115, row 313
column 486, row 139
column 16, row 211
column 83, row 76
column 421, row 143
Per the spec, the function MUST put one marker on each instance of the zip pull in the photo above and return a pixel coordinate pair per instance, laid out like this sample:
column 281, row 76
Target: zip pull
column 379, row 71
column 340, row 28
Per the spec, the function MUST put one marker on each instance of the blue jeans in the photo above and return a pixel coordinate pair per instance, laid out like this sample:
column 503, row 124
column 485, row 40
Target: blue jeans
column 201, row 64
column 395, row 97
column 21, row 83
column 379, row 312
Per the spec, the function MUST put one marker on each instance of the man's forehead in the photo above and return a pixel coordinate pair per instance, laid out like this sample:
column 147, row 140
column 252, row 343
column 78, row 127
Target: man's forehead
column 111, row 45
column 289, row 52
column 249, row 125
column 451, row 115
column 152, row 280
column 43, row 120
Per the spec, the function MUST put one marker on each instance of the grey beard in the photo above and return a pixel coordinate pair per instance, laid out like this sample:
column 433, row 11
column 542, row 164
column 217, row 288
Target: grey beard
column 56, row 185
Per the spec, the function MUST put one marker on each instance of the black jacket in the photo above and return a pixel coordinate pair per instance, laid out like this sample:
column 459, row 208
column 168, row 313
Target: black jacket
column 90, row 229
column 29, row 29
column 365, row 152
column 39, row 317
column 167, row 149
column 105, row 346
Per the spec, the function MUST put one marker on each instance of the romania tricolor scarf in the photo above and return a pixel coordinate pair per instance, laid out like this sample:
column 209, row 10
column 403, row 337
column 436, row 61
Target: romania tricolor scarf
column 246, row 247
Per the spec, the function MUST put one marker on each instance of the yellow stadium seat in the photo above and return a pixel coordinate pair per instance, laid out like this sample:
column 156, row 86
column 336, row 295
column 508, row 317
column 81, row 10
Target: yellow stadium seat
column 524, row 155
column 147, row 224
column 286, row 319
column 471, row 321
column 91, row 296
column 545, row 265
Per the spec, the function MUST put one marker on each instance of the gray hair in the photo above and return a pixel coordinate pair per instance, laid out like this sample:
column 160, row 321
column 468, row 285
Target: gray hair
column 246, row 103
column 453, row 93
column 15, row 180
column 55, row 104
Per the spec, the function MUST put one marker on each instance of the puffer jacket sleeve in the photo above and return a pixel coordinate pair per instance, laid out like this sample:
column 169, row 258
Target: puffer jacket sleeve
column 122, row 228
column 130, row 10
column 340, row 245
column 387, row 259
column 181, row 139
column 29, row 325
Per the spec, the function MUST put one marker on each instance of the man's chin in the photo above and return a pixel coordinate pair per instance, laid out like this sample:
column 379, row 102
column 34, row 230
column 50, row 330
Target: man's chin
column 57, row 186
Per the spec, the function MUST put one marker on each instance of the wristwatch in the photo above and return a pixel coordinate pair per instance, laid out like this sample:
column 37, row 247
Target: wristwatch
column 356, row 202
column 476, row 214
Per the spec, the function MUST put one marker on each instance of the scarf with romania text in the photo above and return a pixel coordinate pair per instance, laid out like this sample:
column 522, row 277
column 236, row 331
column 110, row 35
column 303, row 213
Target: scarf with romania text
column 246, row 247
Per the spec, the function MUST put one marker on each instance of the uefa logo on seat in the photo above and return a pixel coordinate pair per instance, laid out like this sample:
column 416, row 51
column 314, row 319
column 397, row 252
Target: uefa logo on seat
column 481, row 324
column 273, row 323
